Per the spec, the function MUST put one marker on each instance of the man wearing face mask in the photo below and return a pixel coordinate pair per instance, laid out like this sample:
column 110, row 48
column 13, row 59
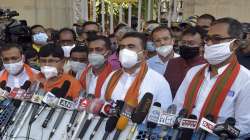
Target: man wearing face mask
column 164, row 42
column 93, row 77
column 220, row 87
column 78, row 60
column 15, row 71
column 51, row 58
column 39, row 36
column 190, row 55
column 67, row 40
column 90, row 29
column 135, row 78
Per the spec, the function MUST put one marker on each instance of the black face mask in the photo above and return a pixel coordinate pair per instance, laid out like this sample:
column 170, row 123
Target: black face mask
column 187, row 52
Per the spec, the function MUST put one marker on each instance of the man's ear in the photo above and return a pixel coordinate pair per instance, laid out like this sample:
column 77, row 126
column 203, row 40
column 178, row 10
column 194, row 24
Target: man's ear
column 235, row 45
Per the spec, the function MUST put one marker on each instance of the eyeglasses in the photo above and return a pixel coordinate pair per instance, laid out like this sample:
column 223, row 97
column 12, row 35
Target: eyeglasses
column 215, row 39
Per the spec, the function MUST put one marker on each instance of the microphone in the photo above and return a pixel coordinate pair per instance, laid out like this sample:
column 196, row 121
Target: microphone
column 227, row 130
column 64, row 103
column 63, row 91
column 93, row 108
column 188, row 126
column 112, row 121
column 48, row 99
column 153, row 117
column 123, row 120
column 140, row 113
column 206, row 126
column 167, row 119
column 15, row 94
column 182, row 114
column 105, row 111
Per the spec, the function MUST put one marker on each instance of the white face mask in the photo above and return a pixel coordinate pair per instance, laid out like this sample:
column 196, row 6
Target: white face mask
column 40, row 38
column 49, row 71
column 14, row 68
column 216, row 54
column 96, row 60
column 164, row 50
column 77, row 66
column 67, row 50
column 128, row 58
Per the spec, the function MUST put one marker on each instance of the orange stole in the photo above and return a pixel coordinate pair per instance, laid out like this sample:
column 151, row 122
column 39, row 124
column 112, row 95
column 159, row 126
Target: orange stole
column 101, row 78
column 218, row 92
column 131, row 97
column 5, row 75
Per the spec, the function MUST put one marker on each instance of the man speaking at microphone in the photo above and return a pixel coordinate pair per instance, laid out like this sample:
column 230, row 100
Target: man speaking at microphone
column 220, row 87
column 51, row 59
column 135, row 78
column 15, row 71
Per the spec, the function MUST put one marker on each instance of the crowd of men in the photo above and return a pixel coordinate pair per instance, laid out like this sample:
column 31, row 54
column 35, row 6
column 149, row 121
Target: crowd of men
column 203, row 68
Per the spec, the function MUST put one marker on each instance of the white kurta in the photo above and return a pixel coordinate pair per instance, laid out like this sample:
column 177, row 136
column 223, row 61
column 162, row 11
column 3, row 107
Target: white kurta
column 18, row 80
column 236, row 103
column 153, row 82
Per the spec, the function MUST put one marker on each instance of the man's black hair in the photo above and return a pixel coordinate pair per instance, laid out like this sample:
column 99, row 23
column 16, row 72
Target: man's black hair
column 103, row 38
column 79, row 48
column 207, row 16
column 161, row 28
column 8, row 46
column 195, row 30
column 119, row 26
column 51, row 50
column 89, row 23
column 138, row 35
column 67, row 30
column 234, row 27
column 30, row 53
column 36, row 26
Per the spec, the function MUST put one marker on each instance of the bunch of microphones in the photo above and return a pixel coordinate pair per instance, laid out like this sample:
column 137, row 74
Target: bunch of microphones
column 182, row 126
column 26, row 103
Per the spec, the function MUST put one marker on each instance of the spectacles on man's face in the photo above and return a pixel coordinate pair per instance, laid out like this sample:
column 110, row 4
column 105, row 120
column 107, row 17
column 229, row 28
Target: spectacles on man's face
column 216, row 39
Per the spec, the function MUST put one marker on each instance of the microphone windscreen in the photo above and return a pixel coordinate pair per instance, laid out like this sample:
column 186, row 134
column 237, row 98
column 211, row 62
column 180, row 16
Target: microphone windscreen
column 64, row 89
column 3, row 84
column 210, row 117
column 111, row 123
column 122, row 123
column 172, row 109
column 95, row 106
column 141, row 111
column 8, row 89
column 55, row 91
column 231, row 121
column 183, row 113
column 26, row 85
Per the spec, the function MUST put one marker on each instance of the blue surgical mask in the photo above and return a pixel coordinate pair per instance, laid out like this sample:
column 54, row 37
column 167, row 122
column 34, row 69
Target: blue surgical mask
column 40, row 38
column 151, row 46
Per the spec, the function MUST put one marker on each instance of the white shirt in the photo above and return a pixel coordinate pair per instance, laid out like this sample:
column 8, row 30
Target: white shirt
column 157, row 64
column 91, row 81
column 153, row 82
column 236, row 103
column 18, row 80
